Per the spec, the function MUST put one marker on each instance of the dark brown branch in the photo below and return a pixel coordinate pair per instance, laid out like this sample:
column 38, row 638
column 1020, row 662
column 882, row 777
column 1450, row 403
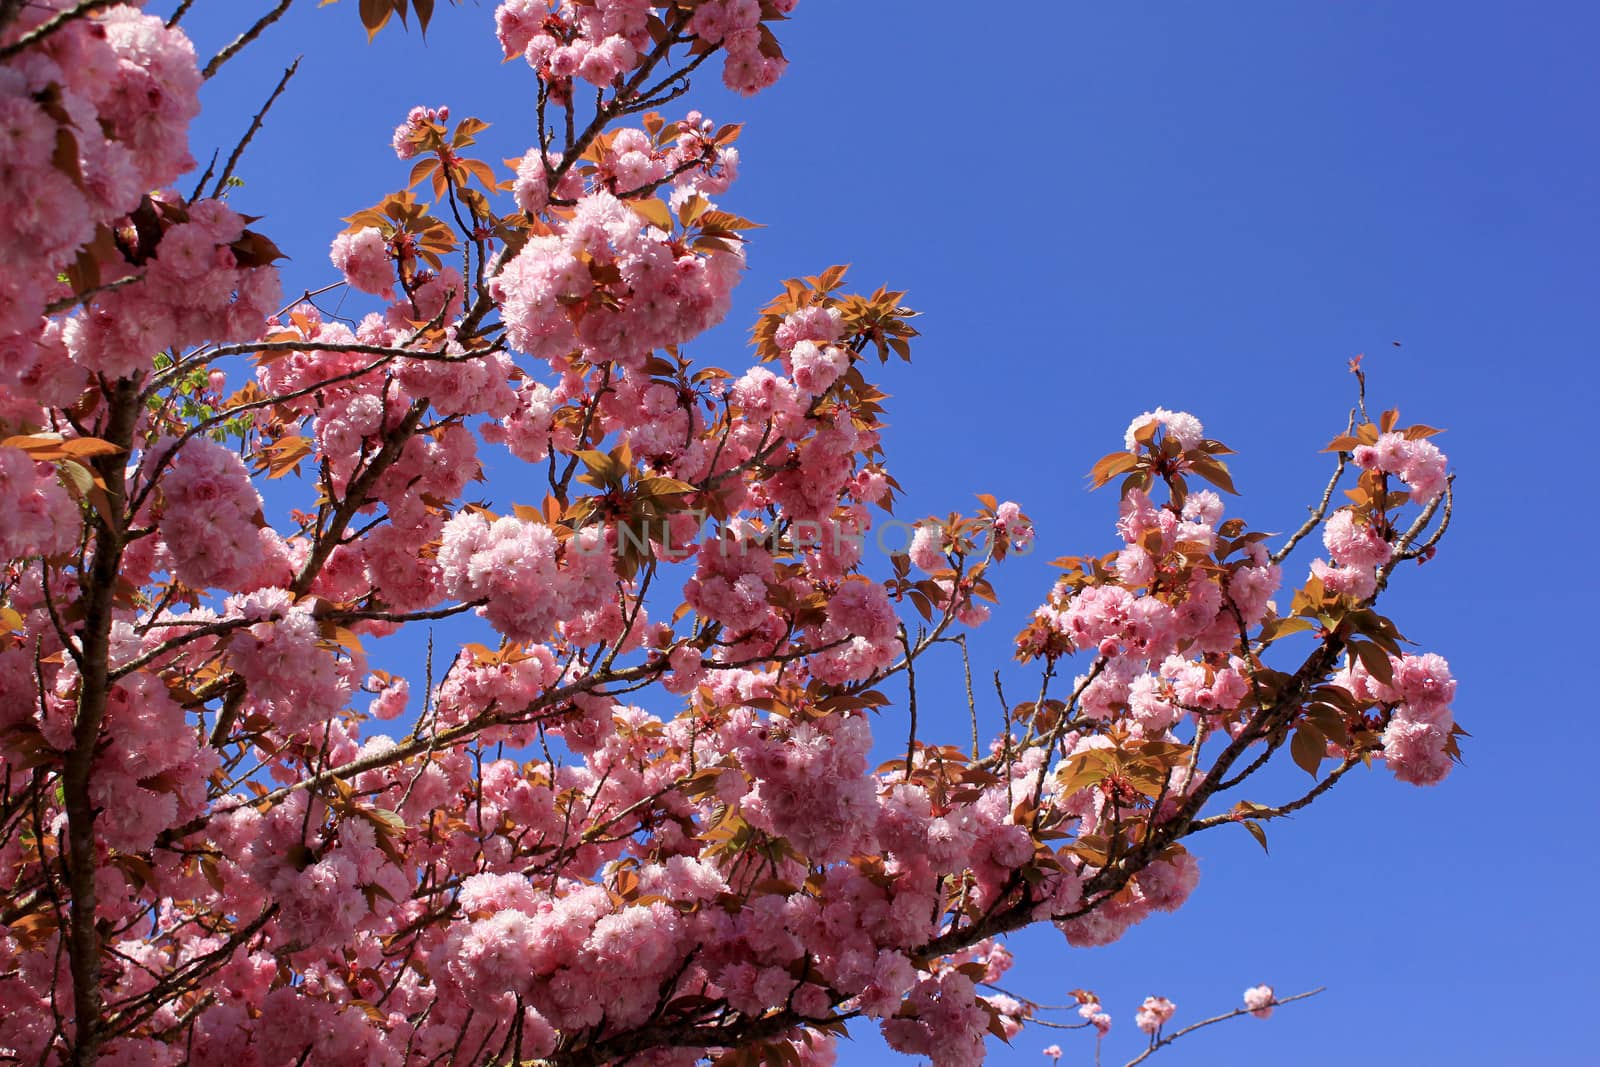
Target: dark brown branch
column 911, row 703
column 177, row 16
column 52, row 25
column 99, row 596
column 203, row 630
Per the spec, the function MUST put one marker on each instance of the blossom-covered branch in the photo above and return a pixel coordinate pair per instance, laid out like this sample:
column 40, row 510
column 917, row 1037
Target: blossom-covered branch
column 641, row 821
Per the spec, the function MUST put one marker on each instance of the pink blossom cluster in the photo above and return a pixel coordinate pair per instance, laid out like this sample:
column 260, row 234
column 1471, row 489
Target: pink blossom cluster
column 89, row 122
column 943, row 1022
column 533, row 863
column 653, row 417
column 577, row 960
column 196, row 287
column 512, row 567
column 1154, row 1013
column 601, row 41
column 809, row 782
column 293, row 678
column 730, row 585
column 1417, row 462
column 1417, row 737
column 210, row 516
column 363, row 258
column 36, row 374
column 1162, row 610
column 556, row 298
column 39, row 518
column 1179, row 427
column 1092, row 1011
column 419, row 120
column 1259, row 1000
column 752, row 61
column 1357, row 550
column 702, row 164
column 157, row 776
column 860, row 636
column 595, row 42
column 1162, row 886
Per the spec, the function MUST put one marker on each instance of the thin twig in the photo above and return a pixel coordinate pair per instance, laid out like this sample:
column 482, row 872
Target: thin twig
column 1318, row 513
column 177, row 16
column 1165, row 1041
column 78, row 298
column 1444, row 524
column 1286, row 809
column 911, row 702
column 255, row 125
column 1402, row 546
column 972, row 704
column 234, row 47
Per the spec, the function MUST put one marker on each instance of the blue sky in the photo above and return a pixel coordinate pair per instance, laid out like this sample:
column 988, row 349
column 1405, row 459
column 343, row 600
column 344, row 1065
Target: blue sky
column 1103, row 208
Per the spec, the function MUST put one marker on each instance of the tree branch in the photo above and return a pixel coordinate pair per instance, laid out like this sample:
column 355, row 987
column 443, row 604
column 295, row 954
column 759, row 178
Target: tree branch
column 238, row 44
column 1165, row 1041
column 53, row 24
column 255, row 125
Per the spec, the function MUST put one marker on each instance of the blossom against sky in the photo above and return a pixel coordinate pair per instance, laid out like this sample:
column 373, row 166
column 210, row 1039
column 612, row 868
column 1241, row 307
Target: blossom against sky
column 1105, row 210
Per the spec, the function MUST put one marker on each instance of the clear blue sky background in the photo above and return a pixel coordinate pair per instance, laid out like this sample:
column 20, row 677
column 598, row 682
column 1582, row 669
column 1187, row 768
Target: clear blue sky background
column 1106, row 207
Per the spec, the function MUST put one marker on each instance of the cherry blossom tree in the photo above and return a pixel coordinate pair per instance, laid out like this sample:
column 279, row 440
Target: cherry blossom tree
column 643, row 824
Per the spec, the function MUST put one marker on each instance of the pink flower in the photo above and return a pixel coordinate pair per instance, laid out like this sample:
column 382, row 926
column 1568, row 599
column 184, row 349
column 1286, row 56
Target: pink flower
column 39, row 518
column 208, row 517
column 1358, row 583
column 815, row 369
column 532, row 187
column 363, row 258
column 1154, row 1013
column 819, row 325
column 1354, row 544
column 1259, row 1000
column 417, row 120
column 390, row 703
column 1415, row 751
column 516, row 22
column 861, row 607
column 1418, row 463
column 1180, row 426
column 927, row 548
